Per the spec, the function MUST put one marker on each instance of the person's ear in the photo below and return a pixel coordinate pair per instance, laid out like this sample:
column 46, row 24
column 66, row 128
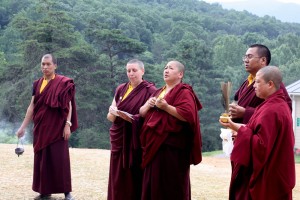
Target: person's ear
column 264, row 59
column 181, row 74
column 271, row 84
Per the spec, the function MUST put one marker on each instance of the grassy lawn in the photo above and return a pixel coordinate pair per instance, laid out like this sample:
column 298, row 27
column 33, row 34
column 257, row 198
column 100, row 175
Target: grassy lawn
column 90, row 168
column 297, row 159
column 214, row 153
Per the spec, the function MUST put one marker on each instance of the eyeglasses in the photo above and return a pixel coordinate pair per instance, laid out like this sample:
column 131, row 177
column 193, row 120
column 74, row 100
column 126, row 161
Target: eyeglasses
column 249, row 57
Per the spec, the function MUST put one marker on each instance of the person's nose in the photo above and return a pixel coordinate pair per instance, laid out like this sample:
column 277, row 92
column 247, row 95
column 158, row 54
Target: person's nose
column 246, row 60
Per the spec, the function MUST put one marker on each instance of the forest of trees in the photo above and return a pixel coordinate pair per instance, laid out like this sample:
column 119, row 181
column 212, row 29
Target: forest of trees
column 93, row 40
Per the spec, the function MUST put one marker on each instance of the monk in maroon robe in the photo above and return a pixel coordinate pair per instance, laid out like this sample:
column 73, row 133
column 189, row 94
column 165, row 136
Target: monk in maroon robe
column 256, row 57
column 125, row 173
column 170, row 138
column 53, row 111
column 264, row 146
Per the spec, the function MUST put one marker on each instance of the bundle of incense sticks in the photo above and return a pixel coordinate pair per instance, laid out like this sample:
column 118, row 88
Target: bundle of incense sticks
column 226, row 91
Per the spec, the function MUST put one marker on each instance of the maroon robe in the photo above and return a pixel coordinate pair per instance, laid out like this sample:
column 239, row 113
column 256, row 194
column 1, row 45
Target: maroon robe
column 52, row 172
column 125, row 174
column 264, row 148
column 170, row 146
column 246, row 97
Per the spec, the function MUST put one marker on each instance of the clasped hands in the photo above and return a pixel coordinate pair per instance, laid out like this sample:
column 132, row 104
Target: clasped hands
column 157, row 102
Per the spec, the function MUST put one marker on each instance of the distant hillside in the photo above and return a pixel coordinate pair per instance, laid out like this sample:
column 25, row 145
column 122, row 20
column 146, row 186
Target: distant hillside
column 286, row 12
column 94, row 39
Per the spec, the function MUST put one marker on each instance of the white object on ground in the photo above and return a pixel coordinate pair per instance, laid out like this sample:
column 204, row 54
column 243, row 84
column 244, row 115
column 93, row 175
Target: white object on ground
column 227, row 142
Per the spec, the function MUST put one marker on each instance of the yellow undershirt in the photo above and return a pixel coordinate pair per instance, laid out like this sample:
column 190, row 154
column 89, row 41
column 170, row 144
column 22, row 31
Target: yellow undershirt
column 250, row 79
column 162, row 93
column 129, row 89
column 45, row 82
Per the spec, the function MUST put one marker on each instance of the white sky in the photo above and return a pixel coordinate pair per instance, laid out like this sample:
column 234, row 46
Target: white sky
column 289, row 1
column 283, row 1
column 213, row 1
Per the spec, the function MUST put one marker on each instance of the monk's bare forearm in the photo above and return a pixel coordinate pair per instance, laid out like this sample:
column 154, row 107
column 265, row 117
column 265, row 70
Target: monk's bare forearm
column 70, row 112
column 150, row 103
column 67, row 128
column 28, row 116
column 232, row 125
column 111, row 117
column 236, row 126
column 27, row 119
column 144, row 109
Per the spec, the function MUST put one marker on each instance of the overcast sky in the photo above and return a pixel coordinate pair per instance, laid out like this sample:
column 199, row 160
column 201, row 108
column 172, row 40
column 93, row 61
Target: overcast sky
column 283, row 1
column 284, row 10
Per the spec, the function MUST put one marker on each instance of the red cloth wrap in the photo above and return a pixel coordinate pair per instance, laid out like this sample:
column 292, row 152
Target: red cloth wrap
column 159, row 124
column 124, row 136
column 51, row 108
column 246, row 97
column 264, row 149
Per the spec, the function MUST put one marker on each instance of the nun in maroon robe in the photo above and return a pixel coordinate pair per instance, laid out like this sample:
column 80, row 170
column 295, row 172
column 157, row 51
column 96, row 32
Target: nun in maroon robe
column 52, row 172
column 125, row 173
column 170, row 146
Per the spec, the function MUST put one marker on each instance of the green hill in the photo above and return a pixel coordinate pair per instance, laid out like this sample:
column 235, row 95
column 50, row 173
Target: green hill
column 93, row 39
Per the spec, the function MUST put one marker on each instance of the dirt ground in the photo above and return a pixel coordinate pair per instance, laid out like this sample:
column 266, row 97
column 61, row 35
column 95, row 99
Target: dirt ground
column 209, row 179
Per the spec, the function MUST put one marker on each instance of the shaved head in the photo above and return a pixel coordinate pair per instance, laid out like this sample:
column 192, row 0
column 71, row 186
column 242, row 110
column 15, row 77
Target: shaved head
column 50, row 56
column 136, row 61
column 179, row 65
column 271, row 73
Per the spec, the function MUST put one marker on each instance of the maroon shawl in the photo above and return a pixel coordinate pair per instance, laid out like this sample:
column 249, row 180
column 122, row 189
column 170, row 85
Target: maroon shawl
column 246, row 97
column 124, row 135
column 265, row 147
column 51, row 108
column 158, row 124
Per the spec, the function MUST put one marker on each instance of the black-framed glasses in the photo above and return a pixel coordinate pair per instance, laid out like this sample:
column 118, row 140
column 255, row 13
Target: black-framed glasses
column 249, row 57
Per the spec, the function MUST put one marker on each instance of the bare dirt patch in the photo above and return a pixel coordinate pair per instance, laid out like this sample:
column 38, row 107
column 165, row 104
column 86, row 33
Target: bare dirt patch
column 209, row 179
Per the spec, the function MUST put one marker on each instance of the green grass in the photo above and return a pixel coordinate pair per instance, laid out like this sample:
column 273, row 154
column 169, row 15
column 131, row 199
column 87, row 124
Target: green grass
column 8, row 139
column 213, row 153
column 297, row 159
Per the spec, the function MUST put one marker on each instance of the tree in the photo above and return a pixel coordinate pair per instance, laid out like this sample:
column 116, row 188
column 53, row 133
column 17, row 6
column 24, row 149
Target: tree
column 93, row 40
column 115, row 47
column 286, row 49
